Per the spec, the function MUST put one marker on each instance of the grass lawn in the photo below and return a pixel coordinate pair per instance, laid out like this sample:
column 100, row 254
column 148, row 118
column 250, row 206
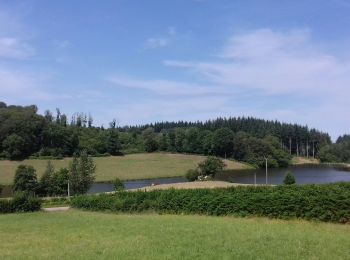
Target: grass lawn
column 128, row 167
column 88, row 235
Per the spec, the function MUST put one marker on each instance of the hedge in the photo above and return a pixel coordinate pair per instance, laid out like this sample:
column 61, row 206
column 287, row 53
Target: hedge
column 21, row 202
column 329, row 202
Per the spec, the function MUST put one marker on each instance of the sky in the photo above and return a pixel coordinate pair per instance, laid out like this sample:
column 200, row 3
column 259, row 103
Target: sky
column 145, row 61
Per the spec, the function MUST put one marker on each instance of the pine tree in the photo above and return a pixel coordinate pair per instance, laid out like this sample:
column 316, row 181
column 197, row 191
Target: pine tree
column 46, row 180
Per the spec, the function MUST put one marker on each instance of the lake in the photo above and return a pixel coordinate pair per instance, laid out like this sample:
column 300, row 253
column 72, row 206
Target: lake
column 303, row 175
column 310, row 174
column 136, row 184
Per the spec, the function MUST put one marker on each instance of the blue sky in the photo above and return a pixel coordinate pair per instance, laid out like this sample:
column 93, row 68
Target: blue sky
column 146, row 61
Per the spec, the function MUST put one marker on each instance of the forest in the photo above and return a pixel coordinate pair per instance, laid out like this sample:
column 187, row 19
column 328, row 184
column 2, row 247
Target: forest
column 25, row 133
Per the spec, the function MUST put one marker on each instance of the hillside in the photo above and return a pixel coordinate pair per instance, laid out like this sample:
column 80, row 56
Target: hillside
column 128, row 167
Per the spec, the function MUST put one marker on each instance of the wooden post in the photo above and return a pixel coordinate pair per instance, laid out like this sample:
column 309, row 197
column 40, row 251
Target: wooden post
column 68, row 191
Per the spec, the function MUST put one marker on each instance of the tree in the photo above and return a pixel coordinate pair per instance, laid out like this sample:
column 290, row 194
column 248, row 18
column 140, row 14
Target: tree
column 45, row 183
column 223, row 142
column 211, row 166
column 82, row 173
column 149, row 137
column 289, row 179
column 118, row 185
column 113, row 144
column 59, row 182
column 25, row 179
column 13, row 146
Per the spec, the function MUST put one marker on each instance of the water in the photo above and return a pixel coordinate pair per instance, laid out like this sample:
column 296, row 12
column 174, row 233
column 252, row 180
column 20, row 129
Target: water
column 302, row 174
column 106, row 187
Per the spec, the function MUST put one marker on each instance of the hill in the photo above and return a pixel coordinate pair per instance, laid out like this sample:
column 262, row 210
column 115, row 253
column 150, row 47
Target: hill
column 128, row 167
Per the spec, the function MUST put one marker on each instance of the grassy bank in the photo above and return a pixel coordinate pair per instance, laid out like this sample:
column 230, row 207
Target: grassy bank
column 87, row 235
column 298, row 160
column 128, row 167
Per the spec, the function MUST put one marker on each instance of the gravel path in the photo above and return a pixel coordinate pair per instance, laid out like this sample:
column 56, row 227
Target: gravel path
column 56, row 209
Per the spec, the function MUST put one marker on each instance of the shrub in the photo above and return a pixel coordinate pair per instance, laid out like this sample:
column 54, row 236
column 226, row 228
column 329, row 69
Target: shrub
column 25, row 179
column 118, row 185
column 326, row 202
column 21, row 202
column 192, row 175
column 289, row 179
column 211, row 166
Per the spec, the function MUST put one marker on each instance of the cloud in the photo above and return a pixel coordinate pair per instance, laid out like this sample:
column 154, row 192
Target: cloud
column 14, row 48
column 164, row 87
column 62, row 44
column 154, row 43
column 281, row 75
column 274, row 63
column 161, row 42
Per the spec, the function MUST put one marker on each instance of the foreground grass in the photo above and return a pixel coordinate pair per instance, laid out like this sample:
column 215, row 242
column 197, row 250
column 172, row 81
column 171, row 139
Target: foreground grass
column 128, row 167
column 87, row 235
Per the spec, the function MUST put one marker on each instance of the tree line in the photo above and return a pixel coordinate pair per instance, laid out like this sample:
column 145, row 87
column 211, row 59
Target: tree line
column 25, row 133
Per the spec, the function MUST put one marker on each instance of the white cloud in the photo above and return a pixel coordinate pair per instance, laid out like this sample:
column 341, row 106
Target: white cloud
column 166, row 87
column 275, row 63
column 62, row 44
column 14, row 48
column 288, row 75
column 154, row 43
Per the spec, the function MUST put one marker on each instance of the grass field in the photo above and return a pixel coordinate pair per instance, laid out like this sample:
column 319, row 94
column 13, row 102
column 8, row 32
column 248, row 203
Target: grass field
column 129, row 167
column 86, row 235
column 304, row 160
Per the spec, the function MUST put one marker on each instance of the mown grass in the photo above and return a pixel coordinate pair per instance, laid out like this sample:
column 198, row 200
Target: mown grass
column 86, row 235
column 128, row 167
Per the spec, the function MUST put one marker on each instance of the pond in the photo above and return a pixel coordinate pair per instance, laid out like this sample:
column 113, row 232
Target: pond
column 303, row 175
column 316, row 174
column 136, row 184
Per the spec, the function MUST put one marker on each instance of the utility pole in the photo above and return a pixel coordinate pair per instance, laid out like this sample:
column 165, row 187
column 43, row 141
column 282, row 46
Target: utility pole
column 254, row 178
column 266, row 177
column 68, row 191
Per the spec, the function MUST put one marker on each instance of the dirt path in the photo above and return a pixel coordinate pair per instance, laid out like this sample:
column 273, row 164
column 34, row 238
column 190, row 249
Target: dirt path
column 56, row 209
column 194, row 185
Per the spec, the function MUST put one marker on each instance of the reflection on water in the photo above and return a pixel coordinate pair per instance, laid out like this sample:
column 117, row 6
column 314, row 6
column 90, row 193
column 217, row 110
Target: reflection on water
column 302, row 174
column 105, row 187
column 311, row 174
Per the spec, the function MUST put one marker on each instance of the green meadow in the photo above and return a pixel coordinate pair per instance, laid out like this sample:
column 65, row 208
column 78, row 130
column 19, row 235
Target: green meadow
column 128, row 167
column 87, row 235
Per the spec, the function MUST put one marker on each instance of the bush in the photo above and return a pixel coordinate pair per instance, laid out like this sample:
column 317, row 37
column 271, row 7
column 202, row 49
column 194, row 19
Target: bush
column 211, row 166
column 330, row 202
column 192, row 175
column 289, row 179
column 25, row 179
column 21, row 202
column 118, row 185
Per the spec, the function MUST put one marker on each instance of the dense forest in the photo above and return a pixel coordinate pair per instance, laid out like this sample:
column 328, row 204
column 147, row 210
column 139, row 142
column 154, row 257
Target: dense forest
column 25, row 133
